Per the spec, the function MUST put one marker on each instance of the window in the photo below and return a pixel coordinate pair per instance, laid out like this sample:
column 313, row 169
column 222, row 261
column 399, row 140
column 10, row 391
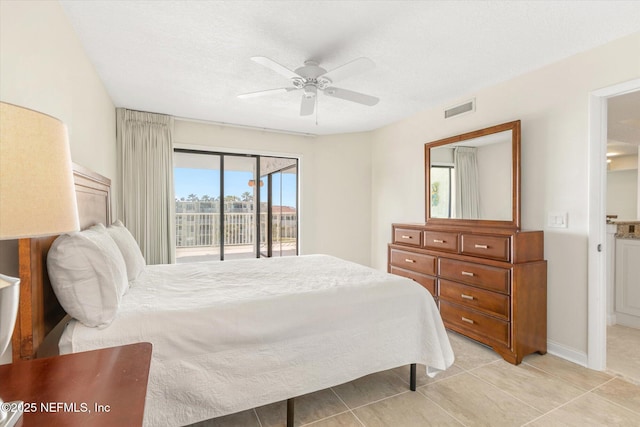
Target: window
column 441, row 186
column 231, row 212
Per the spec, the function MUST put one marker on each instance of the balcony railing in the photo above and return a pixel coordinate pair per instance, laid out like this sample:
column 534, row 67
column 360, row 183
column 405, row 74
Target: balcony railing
column 203, row 229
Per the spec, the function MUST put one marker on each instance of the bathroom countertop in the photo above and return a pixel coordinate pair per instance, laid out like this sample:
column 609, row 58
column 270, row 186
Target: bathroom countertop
column 627, row 229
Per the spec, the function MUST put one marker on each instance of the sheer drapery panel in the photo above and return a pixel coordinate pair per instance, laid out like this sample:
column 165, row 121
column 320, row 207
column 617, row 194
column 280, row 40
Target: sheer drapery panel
column 467, row 195
column 145, row 169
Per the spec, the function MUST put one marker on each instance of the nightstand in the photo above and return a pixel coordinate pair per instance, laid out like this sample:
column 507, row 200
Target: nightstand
column 105, row 387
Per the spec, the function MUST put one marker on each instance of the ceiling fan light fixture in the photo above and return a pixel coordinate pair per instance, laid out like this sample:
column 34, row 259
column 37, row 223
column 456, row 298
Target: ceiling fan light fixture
column 310, row 91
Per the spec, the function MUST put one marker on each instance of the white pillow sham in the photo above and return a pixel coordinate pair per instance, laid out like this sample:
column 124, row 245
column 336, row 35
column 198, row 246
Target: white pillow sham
column 88, row 275
column 129, row 248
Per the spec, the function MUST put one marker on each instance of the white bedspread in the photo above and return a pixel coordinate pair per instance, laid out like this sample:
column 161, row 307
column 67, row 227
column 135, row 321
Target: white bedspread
column 234, row 335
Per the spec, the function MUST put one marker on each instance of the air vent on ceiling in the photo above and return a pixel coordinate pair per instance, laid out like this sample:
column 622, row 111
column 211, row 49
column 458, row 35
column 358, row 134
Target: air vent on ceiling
column 466, row 107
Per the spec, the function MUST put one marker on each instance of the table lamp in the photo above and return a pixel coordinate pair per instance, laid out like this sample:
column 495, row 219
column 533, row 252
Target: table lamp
column 37, row 198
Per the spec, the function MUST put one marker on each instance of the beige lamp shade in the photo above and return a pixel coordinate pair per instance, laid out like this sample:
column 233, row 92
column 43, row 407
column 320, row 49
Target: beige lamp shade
column 37, row 195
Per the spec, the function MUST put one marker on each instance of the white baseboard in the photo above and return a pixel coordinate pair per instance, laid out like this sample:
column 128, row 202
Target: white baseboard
column 568, row 353
column 627, row 320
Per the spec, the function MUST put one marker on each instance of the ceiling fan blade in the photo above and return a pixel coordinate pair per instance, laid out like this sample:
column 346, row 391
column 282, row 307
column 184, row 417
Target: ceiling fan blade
column 350, row 69
column 273, row 65
column 266, row 92
column 350, row 95
column 307, row 105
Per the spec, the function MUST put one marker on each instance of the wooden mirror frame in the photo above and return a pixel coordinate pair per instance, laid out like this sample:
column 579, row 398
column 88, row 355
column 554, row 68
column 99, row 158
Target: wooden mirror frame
column 515, row 177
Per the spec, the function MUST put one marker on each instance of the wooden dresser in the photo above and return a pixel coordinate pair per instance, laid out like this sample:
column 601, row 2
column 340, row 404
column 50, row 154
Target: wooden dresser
column 489, row 283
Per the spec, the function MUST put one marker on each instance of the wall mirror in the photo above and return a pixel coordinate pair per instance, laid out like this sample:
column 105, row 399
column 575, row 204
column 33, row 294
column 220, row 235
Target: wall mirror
column 474, row 178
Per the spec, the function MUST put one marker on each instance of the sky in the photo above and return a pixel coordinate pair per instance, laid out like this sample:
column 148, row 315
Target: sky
column 207, row 182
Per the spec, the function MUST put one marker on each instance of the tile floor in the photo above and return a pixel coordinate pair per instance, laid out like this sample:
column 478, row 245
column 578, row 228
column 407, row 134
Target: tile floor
column 623, row 352
column 480, row 389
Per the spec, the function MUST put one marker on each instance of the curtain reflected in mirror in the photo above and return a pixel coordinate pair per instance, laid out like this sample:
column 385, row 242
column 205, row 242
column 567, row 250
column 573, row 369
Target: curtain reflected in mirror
column 465, row 164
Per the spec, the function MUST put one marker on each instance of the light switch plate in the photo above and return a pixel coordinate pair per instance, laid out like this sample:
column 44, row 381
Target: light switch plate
column 558, row 219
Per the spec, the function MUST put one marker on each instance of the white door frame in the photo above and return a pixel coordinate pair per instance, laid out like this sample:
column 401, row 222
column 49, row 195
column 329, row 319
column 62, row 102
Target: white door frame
column 597, row 287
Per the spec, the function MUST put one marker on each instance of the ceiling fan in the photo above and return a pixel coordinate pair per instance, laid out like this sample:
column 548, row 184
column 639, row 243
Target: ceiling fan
column 312, row 78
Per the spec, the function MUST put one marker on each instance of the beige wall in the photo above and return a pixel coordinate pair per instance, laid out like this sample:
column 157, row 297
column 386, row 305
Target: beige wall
column 335, row 181
column 43, row 67
column 553, row 104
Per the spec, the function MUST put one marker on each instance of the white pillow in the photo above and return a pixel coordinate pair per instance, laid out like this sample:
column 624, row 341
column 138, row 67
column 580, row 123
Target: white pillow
column 88, row 275
column 129, row 248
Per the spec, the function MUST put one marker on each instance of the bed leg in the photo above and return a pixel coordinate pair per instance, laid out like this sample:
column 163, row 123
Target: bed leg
column 290, row 408
column 412, row 377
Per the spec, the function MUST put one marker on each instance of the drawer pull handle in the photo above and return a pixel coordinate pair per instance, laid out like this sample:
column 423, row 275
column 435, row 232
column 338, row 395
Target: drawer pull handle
column 464, row 319
column 438, row 241
column 482, row 246
column 464, row 296
column 467, row 273
column 406, row 237
column 410, row 260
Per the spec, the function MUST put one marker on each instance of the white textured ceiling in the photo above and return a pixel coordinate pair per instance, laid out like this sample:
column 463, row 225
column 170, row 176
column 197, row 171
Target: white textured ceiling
column 191, row 58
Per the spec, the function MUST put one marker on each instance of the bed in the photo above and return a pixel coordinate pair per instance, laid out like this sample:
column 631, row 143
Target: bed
column 234, row 335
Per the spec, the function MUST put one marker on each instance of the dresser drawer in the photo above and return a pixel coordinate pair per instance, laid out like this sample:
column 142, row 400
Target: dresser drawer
column 492, row 278
column 407, row 236
column 492, row 303
column 421, row 263
column 428, row 282
column 473, row 323
column 441, row 241
column 494, row 247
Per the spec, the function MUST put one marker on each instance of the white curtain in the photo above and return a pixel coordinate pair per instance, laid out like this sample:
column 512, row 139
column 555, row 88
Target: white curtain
column 467, row 194
column 145, row 172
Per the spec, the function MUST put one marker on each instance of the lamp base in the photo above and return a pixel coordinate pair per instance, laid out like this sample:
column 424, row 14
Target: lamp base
column 9, row 417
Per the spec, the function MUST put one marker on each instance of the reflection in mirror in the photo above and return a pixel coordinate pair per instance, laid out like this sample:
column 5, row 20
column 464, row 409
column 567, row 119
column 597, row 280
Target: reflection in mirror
column 472, row 179
column 441, row 190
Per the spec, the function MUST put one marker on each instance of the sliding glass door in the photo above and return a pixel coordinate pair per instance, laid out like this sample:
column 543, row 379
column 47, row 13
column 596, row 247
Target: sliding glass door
column 197, row 192
column 284, row 224
column 240, row 211
column 224, row 211
column 279, row 207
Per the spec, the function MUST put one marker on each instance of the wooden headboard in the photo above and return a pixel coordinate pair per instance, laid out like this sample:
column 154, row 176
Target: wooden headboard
column 40, row 312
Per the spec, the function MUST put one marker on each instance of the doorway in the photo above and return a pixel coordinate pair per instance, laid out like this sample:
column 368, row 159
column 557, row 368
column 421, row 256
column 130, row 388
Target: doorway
column 598, row 249
column 623, row 294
